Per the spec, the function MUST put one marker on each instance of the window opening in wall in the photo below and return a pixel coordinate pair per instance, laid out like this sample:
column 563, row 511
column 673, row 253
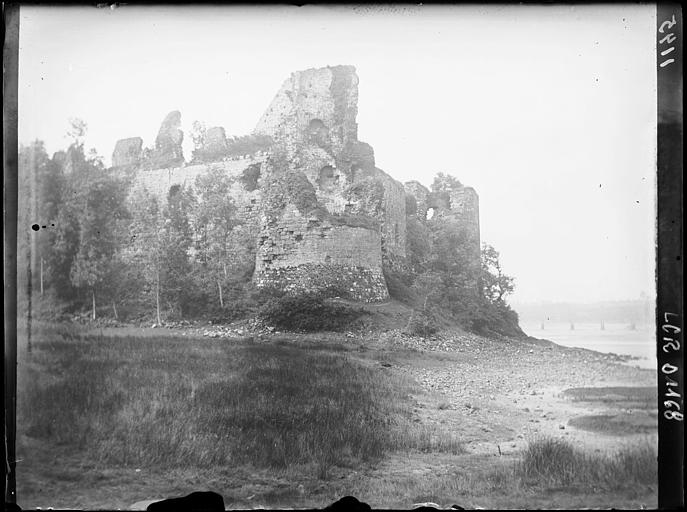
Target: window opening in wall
column 250, row 176
column 316, row 125
column 173, row 190
column 357, row 173
column 327, row 179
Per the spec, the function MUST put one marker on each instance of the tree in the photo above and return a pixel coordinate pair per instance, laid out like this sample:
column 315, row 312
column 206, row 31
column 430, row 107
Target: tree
column 73, row 171
column 94, row 159
column 418, row 244
column 198, row 135
column 101, row 202
column 448, row 271
column 77, row 131
column 445, row 182
column 176, row 240
column 216, row 220
column 495, row 284
column 144, row 255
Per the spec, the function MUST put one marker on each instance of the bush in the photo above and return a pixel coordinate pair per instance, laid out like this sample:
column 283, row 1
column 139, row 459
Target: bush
column 399, row 286
column 496, row 318
column 309, row 312
column 421, row 324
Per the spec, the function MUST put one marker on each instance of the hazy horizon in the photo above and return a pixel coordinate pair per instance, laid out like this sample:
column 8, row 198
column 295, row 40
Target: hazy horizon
column 548, row 112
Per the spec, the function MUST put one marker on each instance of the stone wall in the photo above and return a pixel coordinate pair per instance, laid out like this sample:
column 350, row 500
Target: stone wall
column 420, row 193
column 459, row 206
column 318, row 212
column 468, row 203
column 393, row 221
column 159, row 181
column 354, row 283
column 344, row 257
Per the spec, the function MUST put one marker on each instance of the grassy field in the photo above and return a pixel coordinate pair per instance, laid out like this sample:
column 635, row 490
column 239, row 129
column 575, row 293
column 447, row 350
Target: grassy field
column 177, row 402
column 295, row 421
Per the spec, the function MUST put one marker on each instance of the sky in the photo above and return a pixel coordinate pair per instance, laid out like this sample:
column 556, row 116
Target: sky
column 549, row 112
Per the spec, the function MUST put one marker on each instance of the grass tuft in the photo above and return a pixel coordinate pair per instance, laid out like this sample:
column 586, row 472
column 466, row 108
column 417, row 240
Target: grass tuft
column 556, row 462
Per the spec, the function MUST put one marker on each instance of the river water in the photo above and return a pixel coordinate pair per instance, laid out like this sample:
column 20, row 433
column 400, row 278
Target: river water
column 617, row 338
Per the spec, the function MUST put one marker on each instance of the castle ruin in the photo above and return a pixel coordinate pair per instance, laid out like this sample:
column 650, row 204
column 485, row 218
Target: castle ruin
column 319, row 212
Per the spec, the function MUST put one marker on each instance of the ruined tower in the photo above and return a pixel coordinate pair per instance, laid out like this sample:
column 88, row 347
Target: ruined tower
column 459, row 206
column 331, row 219
column 319, row 213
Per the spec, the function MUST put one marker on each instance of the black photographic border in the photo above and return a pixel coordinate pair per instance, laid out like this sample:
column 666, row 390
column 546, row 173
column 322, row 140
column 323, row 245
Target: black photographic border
column 669, row 250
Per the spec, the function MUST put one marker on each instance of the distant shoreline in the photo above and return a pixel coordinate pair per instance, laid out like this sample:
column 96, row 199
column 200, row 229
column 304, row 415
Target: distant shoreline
column 638, row 345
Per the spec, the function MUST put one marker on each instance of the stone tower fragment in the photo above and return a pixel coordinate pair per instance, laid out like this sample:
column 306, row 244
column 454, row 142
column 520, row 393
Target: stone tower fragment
column 314, row 106
column 127, row 152
column 215, row 141
column 458, row 206
column 337, row 220
column 168, row 151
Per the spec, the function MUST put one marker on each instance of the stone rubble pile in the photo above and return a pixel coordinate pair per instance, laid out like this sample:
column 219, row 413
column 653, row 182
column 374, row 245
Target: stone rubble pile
column 436, row 343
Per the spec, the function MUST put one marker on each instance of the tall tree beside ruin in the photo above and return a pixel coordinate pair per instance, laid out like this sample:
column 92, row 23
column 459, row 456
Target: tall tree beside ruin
column 198, row 135
column 101, row 209
column 77, row 131
column 176, row 241
column 216, row 218
column 144, row 251
column 62, row 187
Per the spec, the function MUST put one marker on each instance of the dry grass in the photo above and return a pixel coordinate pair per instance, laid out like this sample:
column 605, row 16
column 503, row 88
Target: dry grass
column 174, row 402
column 555, row 462
column 550, row 472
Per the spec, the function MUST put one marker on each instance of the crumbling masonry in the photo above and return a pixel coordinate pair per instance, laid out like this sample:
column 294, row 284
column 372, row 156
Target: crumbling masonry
column 319, row 212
